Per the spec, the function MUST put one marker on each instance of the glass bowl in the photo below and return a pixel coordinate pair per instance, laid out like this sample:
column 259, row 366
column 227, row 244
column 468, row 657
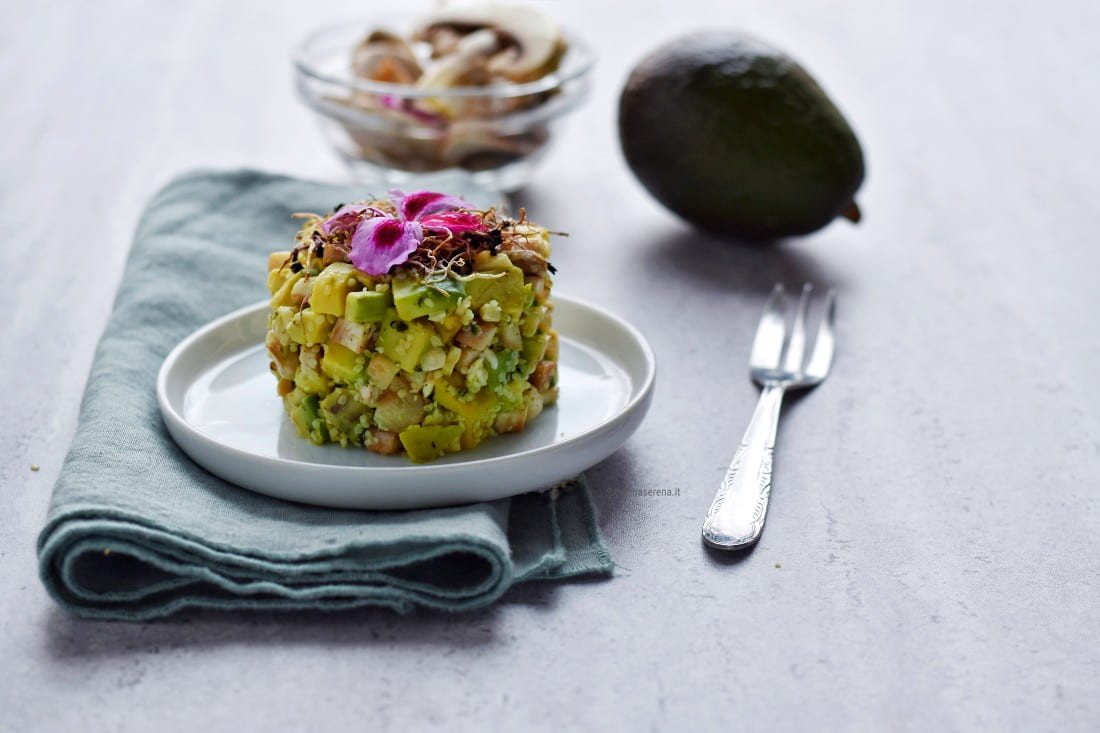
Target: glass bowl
column 401, row 136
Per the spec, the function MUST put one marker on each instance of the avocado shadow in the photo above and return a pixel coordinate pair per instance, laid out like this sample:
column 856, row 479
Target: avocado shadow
column 725, row 263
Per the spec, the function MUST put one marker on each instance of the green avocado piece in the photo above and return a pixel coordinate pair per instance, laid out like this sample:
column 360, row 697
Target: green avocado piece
column 737, row 138
column 507, row 360
column 413, row 299
column 505, row 287
column 425, row 442
column 367, row 306
column 404, row 342
column 306, row 419
column 534, row 349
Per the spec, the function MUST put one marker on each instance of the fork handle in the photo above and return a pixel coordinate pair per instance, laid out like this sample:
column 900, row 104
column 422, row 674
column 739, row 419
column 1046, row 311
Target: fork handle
column 736, row 515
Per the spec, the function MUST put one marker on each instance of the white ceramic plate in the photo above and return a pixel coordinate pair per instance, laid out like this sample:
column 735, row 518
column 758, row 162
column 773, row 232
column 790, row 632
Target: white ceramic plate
column 218, row 399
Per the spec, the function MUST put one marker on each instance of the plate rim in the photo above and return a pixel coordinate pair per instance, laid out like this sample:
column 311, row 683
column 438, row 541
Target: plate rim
column 173, row 418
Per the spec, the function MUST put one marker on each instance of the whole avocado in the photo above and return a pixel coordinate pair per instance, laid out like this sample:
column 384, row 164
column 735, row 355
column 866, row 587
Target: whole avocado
column 737, row 138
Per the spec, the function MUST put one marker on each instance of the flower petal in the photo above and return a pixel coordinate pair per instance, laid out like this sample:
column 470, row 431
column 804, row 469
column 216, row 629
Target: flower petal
column 420, row 204
column 343, row 218
column 381, row 242
column 454, row 221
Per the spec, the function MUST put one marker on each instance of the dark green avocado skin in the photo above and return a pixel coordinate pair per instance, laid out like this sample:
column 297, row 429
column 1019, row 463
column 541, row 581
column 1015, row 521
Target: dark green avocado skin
column 735, row 137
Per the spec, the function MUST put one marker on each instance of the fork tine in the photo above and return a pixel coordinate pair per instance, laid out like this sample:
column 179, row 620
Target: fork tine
column 796, row 343
column 767, row 346
column 822, row 357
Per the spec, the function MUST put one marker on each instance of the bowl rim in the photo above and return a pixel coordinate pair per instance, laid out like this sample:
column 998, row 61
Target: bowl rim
column 583, row 52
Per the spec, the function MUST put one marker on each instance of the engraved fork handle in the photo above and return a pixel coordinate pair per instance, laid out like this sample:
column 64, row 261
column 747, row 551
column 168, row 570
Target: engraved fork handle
column 736, row 515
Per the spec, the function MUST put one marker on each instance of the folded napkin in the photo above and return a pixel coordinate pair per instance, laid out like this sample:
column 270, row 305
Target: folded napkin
column 136, row 530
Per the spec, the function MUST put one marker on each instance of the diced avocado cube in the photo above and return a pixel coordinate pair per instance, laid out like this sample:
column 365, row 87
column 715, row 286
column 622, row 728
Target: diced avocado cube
column 486, row 262
column 505, row 287
column 282, row 294
column 414, row 300
column 315, row 327
column 381, row 371
column 367, row 306
column 276, row 260
column 308, row 379
column 511, row 395
column 342, row 412
column 477, row 408
column 553, row 346
column 306, row 418
column 506, row 361
column 331, row 288
column 423, row 443
column 280, row 320
column 532, row 318
column 534, row 349
column 294, row 326
column 405, row 342
column 448, row 327
column 342, row 364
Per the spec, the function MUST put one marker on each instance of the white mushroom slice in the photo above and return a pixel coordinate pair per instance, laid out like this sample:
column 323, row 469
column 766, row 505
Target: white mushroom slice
column 470, row 54
column 535, row 41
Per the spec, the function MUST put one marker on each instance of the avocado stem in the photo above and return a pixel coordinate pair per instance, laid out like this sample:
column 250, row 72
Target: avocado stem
column 852, row 212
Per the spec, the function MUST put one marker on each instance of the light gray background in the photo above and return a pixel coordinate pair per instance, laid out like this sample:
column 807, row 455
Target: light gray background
column 935, row 508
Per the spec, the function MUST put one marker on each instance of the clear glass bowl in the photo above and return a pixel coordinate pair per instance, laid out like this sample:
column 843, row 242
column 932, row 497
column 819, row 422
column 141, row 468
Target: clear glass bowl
column 395, row 135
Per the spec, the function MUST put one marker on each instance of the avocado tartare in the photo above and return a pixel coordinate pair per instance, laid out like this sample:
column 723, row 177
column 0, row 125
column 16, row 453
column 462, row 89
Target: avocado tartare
column 417, row 323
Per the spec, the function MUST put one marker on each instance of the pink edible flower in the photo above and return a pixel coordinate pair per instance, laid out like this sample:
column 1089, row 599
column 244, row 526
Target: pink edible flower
column 380, row 241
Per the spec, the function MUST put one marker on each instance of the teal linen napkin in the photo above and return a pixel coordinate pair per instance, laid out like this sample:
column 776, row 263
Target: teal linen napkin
column 135, row 530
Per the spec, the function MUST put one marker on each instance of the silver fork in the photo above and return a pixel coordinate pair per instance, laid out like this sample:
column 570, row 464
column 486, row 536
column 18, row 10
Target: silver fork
column 777, row 363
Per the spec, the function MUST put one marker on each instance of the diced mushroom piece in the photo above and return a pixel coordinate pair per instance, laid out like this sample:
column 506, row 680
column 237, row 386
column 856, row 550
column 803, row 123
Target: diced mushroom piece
column 384, row 56
column 466, row 359
column 528, row 260
column 511, row 421
column 543, row 373
column 284, row 362
column 385, row 442
column 533, row 404
column 510, row 336
column 398, row 411
column 356, row 336
column 476, row 336
column 299, row 294
column 335, row 252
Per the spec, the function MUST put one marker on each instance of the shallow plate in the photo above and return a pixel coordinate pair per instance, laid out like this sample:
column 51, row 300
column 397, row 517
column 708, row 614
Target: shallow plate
column 219, row 403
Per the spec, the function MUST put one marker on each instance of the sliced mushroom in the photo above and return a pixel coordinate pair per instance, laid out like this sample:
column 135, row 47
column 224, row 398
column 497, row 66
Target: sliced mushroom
column 384, row 56
column 443, row 40
column 470, row 57
column 533, row 41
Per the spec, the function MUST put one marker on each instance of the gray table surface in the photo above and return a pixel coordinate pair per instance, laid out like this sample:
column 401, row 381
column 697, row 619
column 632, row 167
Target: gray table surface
column 931, row 557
